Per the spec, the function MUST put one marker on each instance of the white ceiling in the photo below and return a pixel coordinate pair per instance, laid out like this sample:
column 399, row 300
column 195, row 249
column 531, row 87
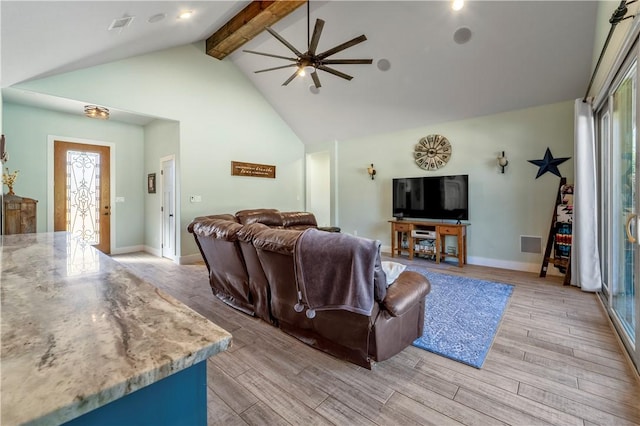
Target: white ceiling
column 521, row 54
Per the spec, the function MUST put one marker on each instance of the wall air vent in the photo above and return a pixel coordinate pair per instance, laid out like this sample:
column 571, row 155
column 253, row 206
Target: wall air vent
column 119, row 24
column 529, row 244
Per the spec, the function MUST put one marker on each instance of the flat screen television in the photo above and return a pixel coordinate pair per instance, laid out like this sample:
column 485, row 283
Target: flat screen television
column 432, row 197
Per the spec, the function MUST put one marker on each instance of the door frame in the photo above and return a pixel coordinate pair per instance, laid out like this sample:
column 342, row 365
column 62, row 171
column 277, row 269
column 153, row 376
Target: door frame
column 112, row 180
column 174, row 255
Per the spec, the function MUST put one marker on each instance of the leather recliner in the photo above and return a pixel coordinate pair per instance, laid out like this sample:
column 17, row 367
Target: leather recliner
column 251, row 268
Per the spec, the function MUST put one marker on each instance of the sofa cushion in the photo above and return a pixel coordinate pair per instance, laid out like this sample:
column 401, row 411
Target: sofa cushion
column 269, row 217
column 217, row 228
column 299, row 220
column 277, row 240
column 228, row 217
column 247, row 232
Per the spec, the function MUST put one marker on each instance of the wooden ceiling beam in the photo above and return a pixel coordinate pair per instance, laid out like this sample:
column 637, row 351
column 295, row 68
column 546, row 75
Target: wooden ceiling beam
column 247, row 24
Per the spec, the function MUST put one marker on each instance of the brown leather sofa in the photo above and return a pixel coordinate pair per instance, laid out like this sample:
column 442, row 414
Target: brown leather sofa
column 252, row 267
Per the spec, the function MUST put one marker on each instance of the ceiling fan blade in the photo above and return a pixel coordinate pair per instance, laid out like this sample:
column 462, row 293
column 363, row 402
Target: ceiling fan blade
column 290, row 79
column 276, row 68
column 335, row 72
column 283, row 41
column 342, row 46
column 316, row 79
column 317, row 30
column 270, row 55
column 347, row 61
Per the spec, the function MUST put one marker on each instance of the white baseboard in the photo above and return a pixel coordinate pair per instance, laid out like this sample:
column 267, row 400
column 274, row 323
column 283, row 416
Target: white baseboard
column 152, row 250
column 502, row 264
column 130, row 249
column 190, row 259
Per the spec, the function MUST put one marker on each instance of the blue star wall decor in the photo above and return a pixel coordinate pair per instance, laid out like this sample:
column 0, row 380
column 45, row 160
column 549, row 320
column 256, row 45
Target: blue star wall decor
column 548, row 164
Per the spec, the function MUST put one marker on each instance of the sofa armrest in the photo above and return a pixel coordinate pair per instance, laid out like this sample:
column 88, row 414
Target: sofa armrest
column 408, row 290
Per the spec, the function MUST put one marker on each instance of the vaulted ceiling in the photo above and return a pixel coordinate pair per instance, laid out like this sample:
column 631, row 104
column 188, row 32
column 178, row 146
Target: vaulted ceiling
column 519, row 54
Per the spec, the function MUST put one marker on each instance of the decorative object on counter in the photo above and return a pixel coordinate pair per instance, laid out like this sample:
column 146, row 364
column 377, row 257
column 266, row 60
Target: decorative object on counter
column 151, row 183
column 502, row 161
column 94, row 111
column 450, row 328
column 371, row 171
column 548, row 164
column 9, row 179
column 432, row 152
column 254, row 170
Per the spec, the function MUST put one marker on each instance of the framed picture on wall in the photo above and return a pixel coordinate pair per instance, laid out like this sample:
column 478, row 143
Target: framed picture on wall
column 151, row 183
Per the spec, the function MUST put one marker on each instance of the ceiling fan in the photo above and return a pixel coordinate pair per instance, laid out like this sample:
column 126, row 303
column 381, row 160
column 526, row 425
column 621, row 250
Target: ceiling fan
column 310, row 61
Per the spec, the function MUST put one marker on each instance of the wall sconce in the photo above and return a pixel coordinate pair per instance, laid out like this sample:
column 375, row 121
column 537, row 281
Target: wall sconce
column 371, row 171
column 502, row 161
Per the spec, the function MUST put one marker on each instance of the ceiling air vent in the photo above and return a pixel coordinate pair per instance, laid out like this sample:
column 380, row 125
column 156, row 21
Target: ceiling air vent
column 120, row 23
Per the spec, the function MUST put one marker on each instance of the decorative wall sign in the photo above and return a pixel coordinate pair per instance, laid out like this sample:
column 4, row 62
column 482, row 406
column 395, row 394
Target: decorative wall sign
column 432, row 152
column 254, row 170
column 548, row 164
column 151, row 183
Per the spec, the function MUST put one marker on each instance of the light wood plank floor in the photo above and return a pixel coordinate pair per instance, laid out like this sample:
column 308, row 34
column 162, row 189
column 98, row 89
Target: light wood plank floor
column 555, row 360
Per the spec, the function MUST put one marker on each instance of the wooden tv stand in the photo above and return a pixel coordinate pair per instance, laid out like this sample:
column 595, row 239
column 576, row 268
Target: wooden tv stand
column 440, row 229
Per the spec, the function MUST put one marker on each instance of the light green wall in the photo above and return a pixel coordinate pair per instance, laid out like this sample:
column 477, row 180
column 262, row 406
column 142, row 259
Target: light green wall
column 502, row 206
column 28, row 129
column 161, row 139
column 222, row 118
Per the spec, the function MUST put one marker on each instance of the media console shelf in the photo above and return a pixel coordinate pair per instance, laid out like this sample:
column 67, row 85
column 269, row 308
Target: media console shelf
column 417, row 231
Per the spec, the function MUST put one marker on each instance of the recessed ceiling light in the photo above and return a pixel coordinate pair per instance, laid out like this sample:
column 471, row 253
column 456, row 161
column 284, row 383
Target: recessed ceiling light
column 185, row 14
column 383, row 65
column 156, row 18
column 457, row 4
column 313, row 89
column 462, row 35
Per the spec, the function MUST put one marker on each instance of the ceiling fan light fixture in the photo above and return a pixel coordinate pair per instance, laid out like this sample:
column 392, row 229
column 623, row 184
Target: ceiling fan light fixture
column 308, row 69
column 94, row 111
column 457, row 5
column 312, row 61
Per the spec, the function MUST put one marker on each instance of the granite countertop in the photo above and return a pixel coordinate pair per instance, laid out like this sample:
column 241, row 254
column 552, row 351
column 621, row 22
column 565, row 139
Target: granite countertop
column 79, row 330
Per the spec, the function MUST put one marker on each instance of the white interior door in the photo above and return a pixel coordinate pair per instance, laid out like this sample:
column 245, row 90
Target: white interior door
column 319, row 187
column 168, row 180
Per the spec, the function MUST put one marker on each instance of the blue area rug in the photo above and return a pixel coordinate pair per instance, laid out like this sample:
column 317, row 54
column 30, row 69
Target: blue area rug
column 462, row 316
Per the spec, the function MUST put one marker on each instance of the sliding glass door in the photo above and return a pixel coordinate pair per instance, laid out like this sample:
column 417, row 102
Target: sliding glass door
column 619, row 233
column 625, row 202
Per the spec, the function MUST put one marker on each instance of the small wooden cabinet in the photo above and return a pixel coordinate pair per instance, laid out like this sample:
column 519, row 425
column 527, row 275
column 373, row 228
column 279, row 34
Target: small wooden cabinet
column 19, row 215
column 439, row 232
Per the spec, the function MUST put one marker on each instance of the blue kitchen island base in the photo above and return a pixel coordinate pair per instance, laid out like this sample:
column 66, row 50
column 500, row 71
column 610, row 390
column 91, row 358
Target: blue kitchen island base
column 180, row 399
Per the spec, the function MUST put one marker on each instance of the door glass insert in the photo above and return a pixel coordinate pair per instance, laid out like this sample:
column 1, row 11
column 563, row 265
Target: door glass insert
column 625, row 200
column 83, row 195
